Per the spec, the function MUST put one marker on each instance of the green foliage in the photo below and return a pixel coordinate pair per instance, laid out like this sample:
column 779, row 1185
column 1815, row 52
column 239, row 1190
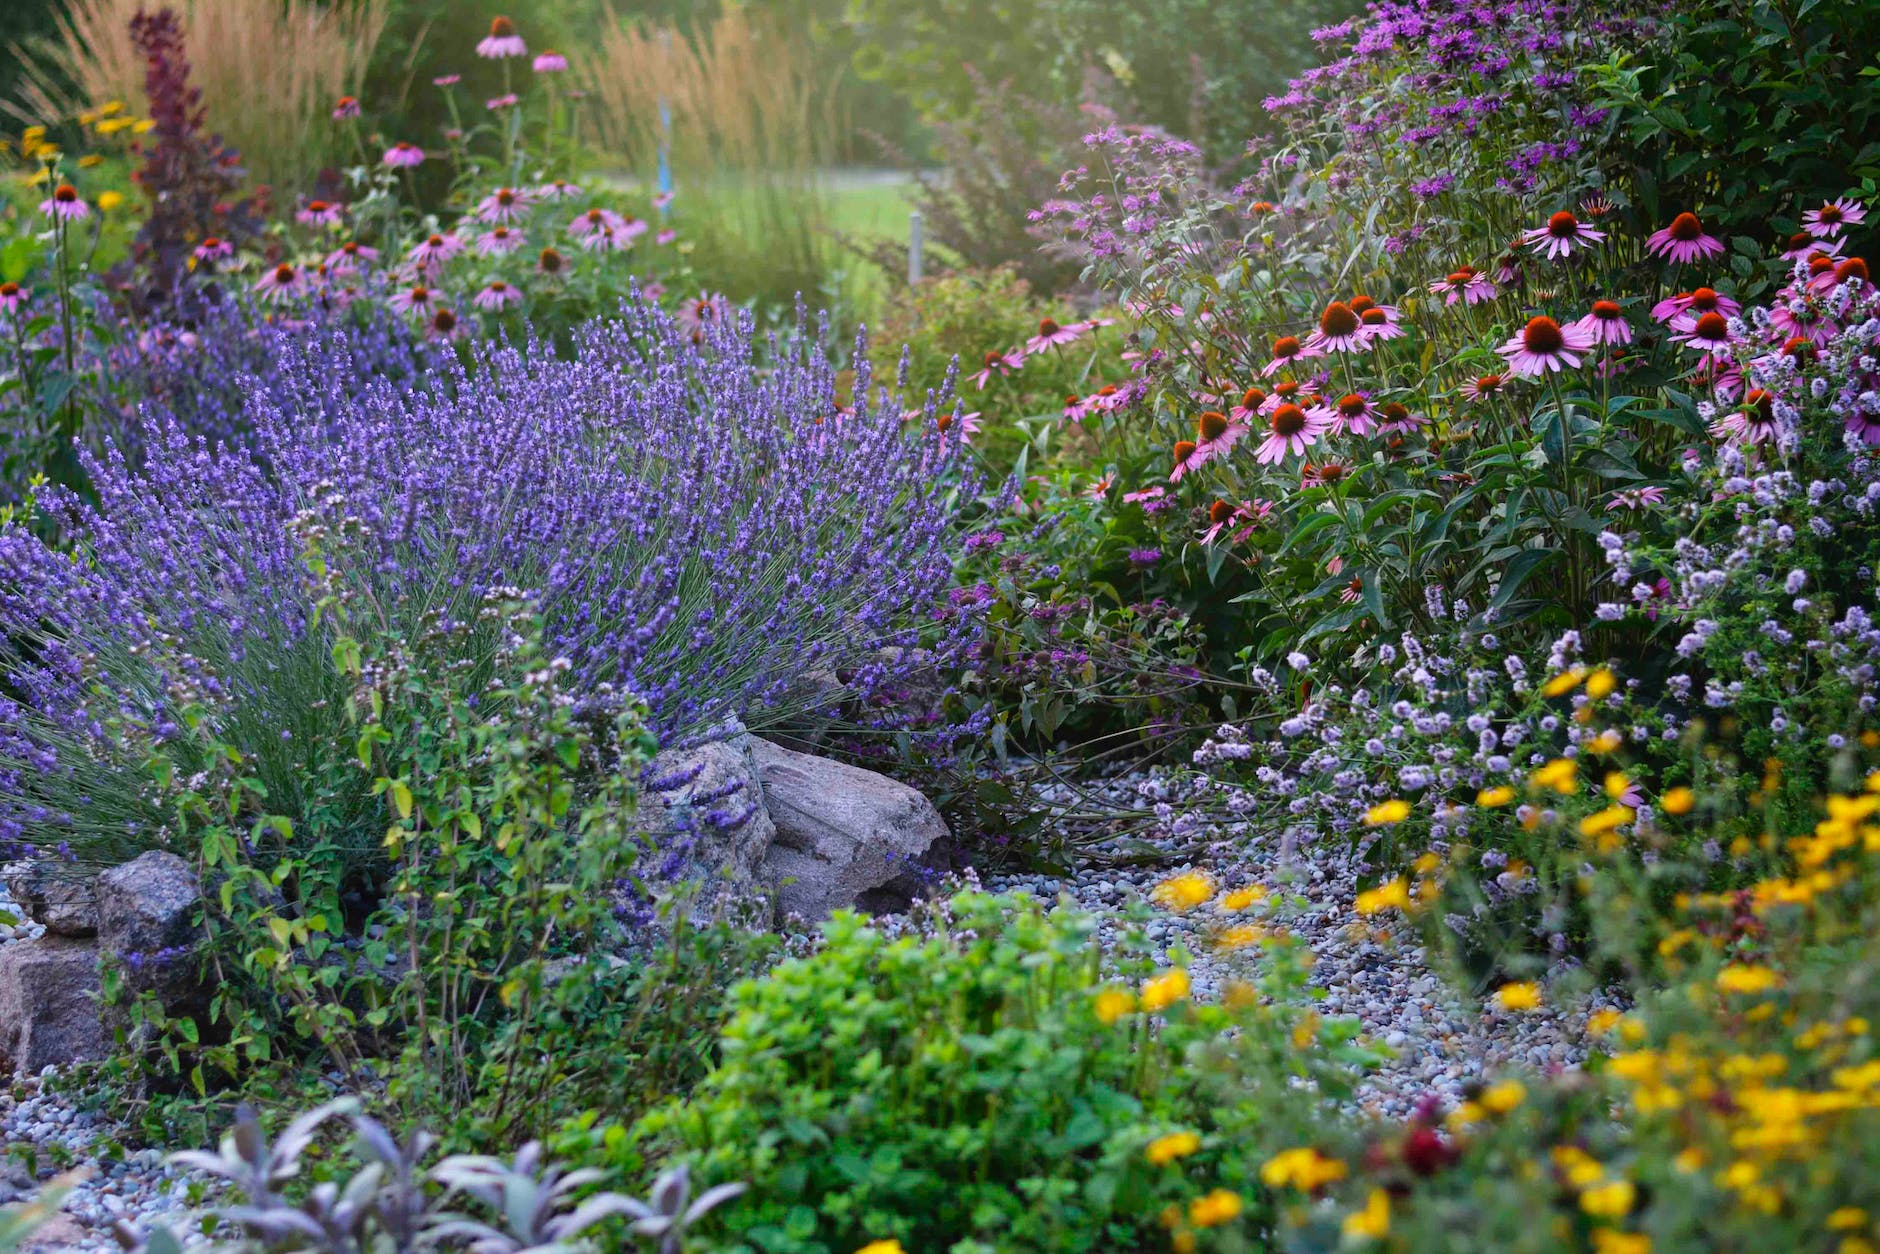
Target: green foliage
column 987, row 1086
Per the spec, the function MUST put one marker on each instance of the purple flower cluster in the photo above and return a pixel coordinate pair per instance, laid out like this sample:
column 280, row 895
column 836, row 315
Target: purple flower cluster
column 698, row 531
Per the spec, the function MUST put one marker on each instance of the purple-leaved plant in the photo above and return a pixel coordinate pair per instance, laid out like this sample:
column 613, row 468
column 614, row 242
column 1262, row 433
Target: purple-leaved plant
column 719, row 537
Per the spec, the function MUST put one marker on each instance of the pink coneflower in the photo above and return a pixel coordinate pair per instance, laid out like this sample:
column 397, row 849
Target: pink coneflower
column 1109, row 398
column 499, row 241
column 1378, row 326
column 1050, row 334
column 1482, row 386
column 961, row 426
column 402, row 154
column 1753, row 423
column 444, row 325
column 1215, row 433
column 504, row 205
column 1847, row 270
column 1810, row 322
column 1395, row 417
column 348, row 257
column 1225, row 514
column 1323, row 475
column 1606, row 323
column 1863, row 424
column 666, row 236
column 1828, row 220
column 605, row 239
column 213, row 249
column 701, row 311
column 64, row 204
column 345, row 107
column 652, row 292
column 1290, row 432
column 1362, row 304
column 1099, row 489
column 1340, row 330
column 416, row 297
column 281, row 282
column 1802, row 246
column 1544, row 345
column 13, row 297
column 550, row 62
column 1724, row 379
column 1353, row 592
column 319, row 213
column 1183, row 454
column 508, row 100
column 1350, row 413
column 557, row 189
column 1142, row 496
column 550, row 263
column 1709, row 334
column 661, row 200
column 447, row 80
column 502, row 41
column 497, row 296
column 632, row 228
column 1000, row 364
column 1562, row 234
column 1684, row 240
column 594, row 219
column 1075, row 408
column 435, row 250
column 1637, row 498
column 1465, row 284
column 1287, row 349
column 1248, row 410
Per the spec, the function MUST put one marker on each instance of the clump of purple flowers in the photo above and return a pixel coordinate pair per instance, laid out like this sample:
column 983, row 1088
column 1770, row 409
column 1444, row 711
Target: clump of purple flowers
column 717, row 538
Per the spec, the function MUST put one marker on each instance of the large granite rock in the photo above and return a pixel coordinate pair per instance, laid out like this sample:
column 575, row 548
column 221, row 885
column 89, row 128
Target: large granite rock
column 844, row 836
column 52, row 895
column 147, row 925
column 704, row 807
column 49, row 1003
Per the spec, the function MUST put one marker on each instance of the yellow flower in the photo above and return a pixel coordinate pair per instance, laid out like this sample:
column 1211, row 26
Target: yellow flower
column 1113, row 1003
column 1166, row 1149
column 1304, row 1169
column 1504, row 1097
column 1743, row 977
column 1493, row 797
column 1854, row 1245
column 882, row 1247
column 1182, row 893
column 1678, row 800
column 1241, row 898
column 1182, row 1243
column 1602, row 1021
column 1607, row 820
column 1612, row 1200
column 1387, row 812
column 110, row 107
column 144, row 126
column 1165, row 990
column 1392, row 895
column 1612, row 1241
column 108, row 201
column 1241, row 936
column 1373, row 1222
column 111, row 126
column 1605, row 742
column 1518, row 996
column 1562, row 775
column 1564, row 683
column 1847, row 1219
column 1601, row 683
column 1218, row 1207
column 91, row 160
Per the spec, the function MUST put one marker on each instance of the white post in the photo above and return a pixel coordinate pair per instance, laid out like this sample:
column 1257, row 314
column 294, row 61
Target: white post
column 913, row 248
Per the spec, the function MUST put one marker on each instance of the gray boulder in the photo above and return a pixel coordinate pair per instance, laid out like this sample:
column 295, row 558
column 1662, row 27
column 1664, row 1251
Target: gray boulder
column 706, row 802
column 49, row 1004
column 147, row 924
column 50, row 894
column 845, row 836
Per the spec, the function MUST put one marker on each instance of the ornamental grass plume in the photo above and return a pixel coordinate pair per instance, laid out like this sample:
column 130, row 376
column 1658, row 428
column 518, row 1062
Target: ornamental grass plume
column 697, row 531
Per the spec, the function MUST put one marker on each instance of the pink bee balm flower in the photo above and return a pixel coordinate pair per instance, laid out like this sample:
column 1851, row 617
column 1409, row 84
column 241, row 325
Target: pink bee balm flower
column 1606, row 323
column 1287, row 349
column 499, row 242
column 1684, row 240
column 213, row 249
column 1341, row 330
column 1050, row 334
column 13, row 297
column 1465, row 284
column 402, row 154
column 64, row 205
column 435, row 250
column 594, row 220
column 1000, row 364
column 498, row 296
column 345, row 107
column 1828, row 220
column 319, row 213
column 504, row 205
column 550, row 62
column 1562, row 234
column 1544, row 345
column 502, row 41
column 1290, row 432
column 417, row 297
column 281, row 282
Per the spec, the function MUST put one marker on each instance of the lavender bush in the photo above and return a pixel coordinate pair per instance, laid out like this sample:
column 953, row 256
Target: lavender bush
column 699, row 532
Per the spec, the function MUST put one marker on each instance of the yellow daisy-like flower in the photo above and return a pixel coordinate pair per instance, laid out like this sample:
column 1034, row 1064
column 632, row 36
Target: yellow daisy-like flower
column 1601, row 1022
column 1303, row 1168
column 1182, row 893
column 1390, row 895
column 1847, row 1219
column 1560, row 685
column 1504, row 1097
column 1562, row 775
column 1612, row 1200
column 1241, row 898
column 1612, row 1241
column 1518, row 996
column 1601, row 683
column 1373, row 1222
column 1387, row 812
column 1216, row 1208
column 882, row 1247
column 1744, row 977
column 1113, row 1003
column 1166, row 1149
column 1678, row 801
column 107, row 201
column 1492, row 798
column 1609, row 819
column 1165, row 990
